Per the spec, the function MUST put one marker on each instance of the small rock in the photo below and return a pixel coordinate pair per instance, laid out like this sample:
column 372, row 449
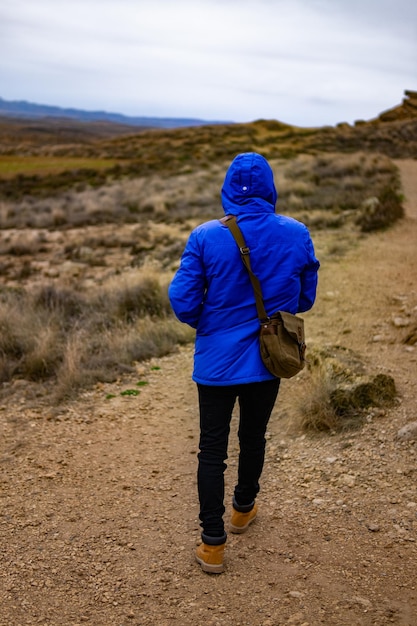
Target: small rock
column 348, row 480
column 408, row 432
column 400, row 322
column 374, row 528
column 364, row 602
column 51, row 272
column 377, row 338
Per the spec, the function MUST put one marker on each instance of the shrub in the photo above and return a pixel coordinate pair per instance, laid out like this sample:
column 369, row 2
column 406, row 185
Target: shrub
column 45, row 355
column 15, row 336
column 134, row 296
column 339, row 390
column 89, row 359
column 77, row 338
column 65, row 304
column 380, row 212
column 70, row 375
column 29, row 339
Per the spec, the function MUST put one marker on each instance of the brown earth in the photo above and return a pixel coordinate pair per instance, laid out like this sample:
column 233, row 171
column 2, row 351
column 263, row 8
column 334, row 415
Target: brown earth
column 98, row 518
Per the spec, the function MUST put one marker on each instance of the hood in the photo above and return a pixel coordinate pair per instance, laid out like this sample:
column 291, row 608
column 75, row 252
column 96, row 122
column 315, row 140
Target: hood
column 249, row 186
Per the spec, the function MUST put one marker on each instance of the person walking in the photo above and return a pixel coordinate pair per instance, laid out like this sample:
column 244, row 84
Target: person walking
column 211, row 291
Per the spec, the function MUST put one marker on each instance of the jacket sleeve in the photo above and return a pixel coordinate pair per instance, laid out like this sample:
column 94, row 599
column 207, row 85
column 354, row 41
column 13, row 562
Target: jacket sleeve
column 308, row 279
column 187, row 288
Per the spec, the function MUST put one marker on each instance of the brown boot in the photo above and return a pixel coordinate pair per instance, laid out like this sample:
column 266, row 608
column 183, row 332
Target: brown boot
column 240, row 521
column 210, row 558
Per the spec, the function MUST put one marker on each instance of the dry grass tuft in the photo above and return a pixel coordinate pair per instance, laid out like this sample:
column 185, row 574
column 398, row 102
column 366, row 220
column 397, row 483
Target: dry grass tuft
column 29, row 339
column 76, row 339
column 315, row 408
column 339, row 391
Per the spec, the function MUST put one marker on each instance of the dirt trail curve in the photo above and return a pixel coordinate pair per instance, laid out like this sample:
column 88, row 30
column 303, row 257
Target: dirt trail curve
column 98, row 517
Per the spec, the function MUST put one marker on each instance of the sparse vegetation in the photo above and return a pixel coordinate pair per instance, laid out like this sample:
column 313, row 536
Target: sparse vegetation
column 93, row 228
column 324, row 191
column 38, row 165
column 330, row 191
column 79, row 338
column 339, row 391
column 190, row 150
column 381, row 211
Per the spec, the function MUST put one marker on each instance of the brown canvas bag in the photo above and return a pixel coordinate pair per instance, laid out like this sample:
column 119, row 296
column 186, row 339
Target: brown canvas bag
column 281, row 335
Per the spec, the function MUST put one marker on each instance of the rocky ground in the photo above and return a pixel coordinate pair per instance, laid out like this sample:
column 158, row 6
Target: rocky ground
column 98, row 517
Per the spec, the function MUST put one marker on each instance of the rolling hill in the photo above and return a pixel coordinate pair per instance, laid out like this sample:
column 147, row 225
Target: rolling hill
column 30, row 110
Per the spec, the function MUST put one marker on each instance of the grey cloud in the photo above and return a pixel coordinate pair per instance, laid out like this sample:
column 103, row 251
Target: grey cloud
column 302, row 61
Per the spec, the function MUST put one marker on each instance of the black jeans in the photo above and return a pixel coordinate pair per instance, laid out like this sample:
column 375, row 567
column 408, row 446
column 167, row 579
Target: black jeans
column 256, row 401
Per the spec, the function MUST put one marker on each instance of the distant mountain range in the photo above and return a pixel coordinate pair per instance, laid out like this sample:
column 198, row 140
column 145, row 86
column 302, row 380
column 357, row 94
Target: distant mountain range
column 29, row 110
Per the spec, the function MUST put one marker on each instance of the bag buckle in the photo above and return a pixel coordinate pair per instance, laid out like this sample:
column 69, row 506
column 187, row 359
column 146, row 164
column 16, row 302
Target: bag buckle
column 270, row 319
column 244, row 250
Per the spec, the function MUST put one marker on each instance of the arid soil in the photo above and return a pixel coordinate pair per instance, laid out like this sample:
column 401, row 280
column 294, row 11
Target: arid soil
column 99, row 512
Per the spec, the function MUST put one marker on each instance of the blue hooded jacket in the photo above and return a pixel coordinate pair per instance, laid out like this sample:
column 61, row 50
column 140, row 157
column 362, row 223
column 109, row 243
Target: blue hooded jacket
column 212, row 292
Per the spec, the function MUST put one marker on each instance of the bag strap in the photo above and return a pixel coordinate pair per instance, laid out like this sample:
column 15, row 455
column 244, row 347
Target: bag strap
column 231, row 223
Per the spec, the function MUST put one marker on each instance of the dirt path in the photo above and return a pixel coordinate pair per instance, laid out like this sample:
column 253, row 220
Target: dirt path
column 98, row 517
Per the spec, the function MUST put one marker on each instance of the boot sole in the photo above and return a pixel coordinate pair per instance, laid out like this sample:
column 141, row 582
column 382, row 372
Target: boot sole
column 238, row 530
column 210, row 568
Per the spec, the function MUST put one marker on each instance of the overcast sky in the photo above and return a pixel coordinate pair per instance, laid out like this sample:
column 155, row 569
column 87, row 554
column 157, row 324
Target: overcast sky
column 304, row 62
